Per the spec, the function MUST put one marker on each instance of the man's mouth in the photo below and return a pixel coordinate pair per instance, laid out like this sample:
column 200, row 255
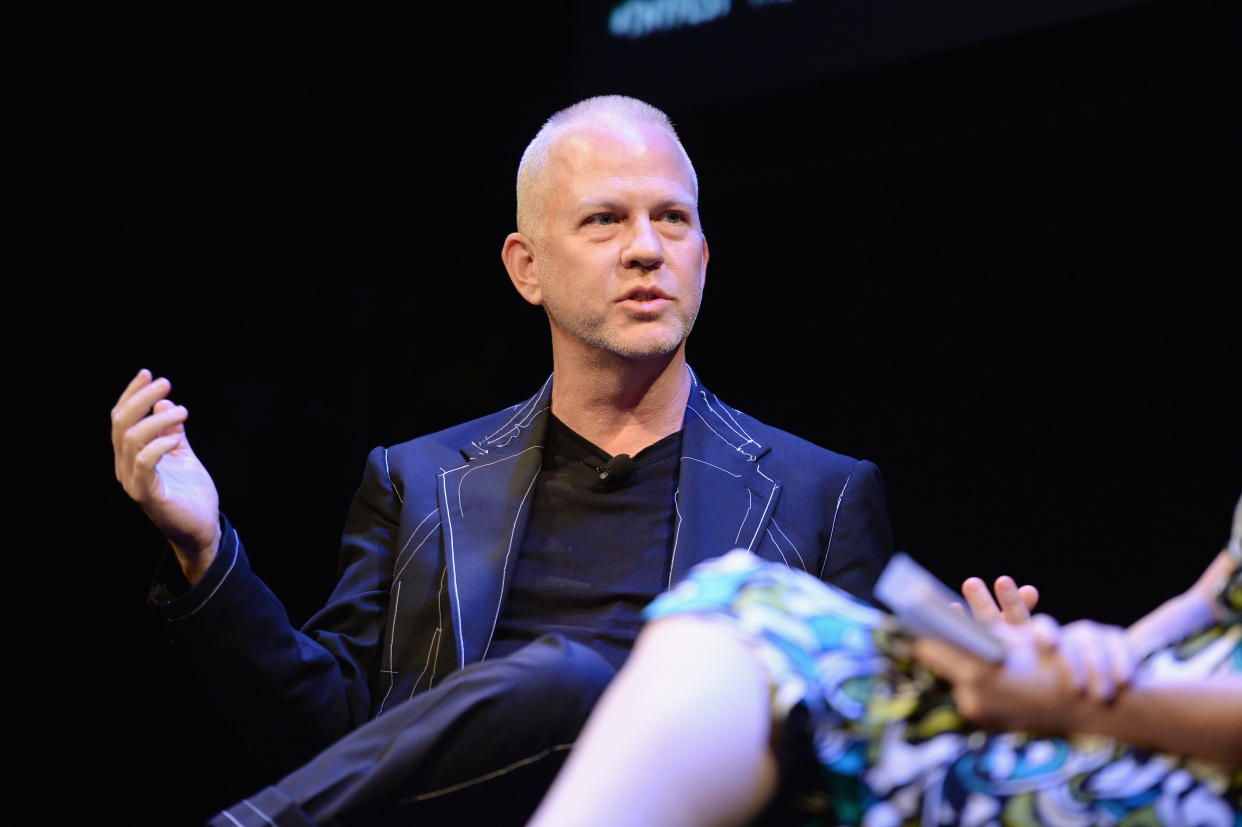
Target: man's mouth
column 645, row 294
column 645, row 302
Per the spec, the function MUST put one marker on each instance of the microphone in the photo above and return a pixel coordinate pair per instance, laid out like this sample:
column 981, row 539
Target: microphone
column 617, row 469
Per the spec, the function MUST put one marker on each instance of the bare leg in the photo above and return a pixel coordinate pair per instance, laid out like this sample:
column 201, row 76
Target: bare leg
column 681, row 737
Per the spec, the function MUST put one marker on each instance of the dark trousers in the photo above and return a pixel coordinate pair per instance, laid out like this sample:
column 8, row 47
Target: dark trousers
column 480, row 748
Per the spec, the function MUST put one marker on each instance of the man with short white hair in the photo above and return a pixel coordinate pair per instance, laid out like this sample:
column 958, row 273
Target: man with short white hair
column 494, row 574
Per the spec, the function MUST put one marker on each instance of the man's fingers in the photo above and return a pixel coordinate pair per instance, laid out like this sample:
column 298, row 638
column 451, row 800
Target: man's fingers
column 155, row 450
column 142, row 481
column 141, row 379
column 131, row 444
column 134, row 406
column 166, row 421
column 179, row 418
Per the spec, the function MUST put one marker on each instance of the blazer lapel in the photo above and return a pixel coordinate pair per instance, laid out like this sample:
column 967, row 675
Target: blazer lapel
column 724, row 501
column 485, row 503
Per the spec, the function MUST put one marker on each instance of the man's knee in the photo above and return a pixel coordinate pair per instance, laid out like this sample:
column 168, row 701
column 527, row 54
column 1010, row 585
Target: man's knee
column 554, row 678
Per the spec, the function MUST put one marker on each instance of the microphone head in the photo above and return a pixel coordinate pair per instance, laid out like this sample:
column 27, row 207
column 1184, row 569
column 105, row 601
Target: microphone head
column 618, row 469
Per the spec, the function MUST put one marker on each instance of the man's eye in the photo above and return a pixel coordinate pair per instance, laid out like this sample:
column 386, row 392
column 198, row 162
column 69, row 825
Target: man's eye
column 603, row 219
column 675, row 217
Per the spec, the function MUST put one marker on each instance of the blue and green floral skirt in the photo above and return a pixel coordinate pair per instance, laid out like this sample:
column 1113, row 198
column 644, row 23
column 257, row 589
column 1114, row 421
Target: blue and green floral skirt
column 887, row 745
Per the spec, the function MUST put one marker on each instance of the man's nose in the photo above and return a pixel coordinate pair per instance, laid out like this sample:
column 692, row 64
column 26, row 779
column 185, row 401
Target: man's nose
column 643, row 250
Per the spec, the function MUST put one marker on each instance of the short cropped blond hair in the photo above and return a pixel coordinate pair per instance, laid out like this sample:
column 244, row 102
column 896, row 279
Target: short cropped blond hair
column 601, row 109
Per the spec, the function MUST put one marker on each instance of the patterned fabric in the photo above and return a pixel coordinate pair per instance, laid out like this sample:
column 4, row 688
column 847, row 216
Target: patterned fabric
column 892, row 749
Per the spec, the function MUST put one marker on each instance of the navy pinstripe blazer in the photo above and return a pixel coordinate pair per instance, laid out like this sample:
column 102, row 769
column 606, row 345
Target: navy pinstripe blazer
column 429, row 548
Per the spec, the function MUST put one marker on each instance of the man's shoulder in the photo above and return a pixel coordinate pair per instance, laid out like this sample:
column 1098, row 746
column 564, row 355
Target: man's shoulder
column 789, row 446
column 462, row 435
column 476, row 436
column 813, row 478
column 776, row 444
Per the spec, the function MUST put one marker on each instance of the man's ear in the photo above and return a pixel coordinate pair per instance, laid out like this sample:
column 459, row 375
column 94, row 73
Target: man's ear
column 518, row 255
column 703, row 270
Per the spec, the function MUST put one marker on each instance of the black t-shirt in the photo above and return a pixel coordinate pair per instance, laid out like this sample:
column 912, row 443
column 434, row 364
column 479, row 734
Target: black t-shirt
column 595, row 552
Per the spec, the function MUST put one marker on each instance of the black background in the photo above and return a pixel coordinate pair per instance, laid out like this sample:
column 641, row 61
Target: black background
column 1005, row 269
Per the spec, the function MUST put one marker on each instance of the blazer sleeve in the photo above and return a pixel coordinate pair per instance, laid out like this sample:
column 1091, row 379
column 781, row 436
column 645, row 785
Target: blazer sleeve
column 861, row 537
column 290, row 691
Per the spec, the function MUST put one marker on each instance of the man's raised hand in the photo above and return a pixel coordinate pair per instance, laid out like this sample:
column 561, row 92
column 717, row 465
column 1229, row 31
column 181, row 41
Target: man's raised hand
column 158, row 469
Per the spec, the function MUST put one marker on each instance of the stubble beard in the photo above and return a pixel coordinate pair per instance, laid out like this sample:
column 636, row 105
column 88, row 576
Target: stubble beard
column 597, row 335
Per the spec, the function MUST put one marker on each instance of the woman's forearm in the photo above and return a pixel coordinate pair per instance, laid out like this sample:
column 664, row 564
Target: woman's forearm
column 1179, row 616
column 1200, row 718
column 1168, row 623
column 1034, row 691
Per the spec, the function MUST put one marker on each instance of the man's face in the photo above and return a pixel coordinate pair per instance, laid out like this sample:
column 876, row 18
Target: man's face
column 619, row 255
